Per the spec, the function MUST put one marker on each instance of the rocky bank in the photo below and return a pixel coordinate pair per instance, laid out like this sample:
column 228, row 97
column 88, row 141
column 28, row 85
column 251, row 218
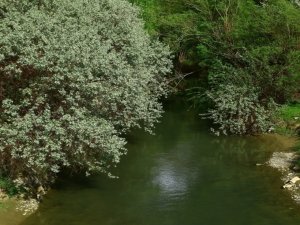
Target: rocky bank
column 285, row 163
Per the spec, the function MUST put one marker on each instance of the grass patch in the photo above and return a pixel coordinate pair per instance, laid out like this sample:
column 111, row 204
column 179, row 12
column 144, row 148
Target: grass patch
column 288, row 119
column 289, row 122
column 290, row 112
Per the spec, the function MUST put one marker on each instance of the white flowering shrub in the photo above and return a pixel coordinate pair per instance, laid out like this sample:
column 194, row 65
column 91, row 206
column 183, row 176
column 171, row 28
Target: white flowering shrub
column 74, row 76
column 238, row 110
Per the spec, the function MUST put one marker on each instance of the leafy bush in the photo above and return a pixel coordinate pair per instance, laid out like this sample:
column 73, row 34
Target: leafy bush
column 8, row 186
column 237, row 110
column 74, row 77
column 251, row 51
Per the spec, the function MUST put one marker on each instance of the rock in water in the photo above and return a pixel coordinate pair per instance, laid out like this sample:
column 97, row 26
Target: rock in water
column 287, row 186
column 295, row 179
column 282, row 160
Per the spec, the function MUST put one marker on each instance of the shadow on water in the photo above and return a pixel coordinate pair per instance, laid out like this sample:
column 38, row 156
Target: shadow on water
column 181, row 176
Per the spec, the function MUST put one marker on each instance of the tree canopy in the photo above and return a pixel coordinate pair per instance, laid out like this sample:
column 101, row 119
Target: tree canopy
column 247, row 51
column 75, row 75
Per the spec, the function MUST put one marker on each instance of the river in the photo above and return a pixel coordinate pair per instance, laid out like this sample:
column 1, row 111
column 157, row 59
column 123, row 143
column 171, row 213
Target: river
column 183, row 175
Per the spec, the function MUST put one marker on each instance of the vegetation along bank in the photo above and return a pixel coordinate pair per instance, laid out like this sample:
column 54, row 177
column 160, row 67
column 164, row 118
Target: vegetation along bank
column 76, row 76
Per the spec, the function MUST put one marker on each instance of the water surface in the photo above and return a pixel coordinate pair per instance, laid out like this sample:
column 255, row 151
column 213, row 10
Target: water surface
column 181, row 176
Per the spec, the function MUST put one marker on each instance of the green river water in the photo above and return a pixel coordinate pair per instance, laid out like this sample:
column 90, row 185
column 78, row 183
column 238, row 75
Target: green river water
column 183, row 175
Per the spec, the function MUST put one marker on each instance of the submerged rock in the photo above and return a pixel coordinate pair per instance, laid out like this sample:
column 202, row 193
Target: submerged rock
column 282, row 160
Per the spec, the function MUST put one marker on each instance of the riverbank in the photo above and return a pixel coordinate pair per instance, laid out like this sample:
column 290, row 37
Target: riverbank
column 288, row 163
column 12, row 194
column 14, row 210
column 9, row 213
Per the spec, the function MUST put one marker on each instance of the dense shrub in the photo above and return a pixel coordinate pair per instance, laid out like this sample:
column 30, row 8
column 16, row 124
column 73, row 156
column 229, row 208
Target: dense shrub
column 74, row 76
column 240, row 43
column 254, row 54
column 237, row 110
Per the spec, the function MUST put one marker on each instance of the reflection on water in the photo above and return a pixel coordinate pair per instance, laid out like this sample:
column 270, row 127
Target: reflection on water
column 249, row 150
column 169, row 179
column 181, row 176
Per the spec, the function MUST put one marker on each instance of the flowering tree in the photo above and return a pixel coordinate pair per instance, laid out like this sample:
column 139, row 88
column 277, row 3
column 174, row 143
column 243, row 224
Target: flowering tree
column 74, row 76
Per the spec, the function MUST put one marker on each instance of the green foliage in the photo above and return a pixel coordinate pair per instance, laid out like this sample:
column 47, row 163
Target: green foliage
column 74, row 77
column 246, row 44
column 289, row 112
column 150, row 13
column 238, row 111
column 174, row 23
column 288, row 119
column 9, row 187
